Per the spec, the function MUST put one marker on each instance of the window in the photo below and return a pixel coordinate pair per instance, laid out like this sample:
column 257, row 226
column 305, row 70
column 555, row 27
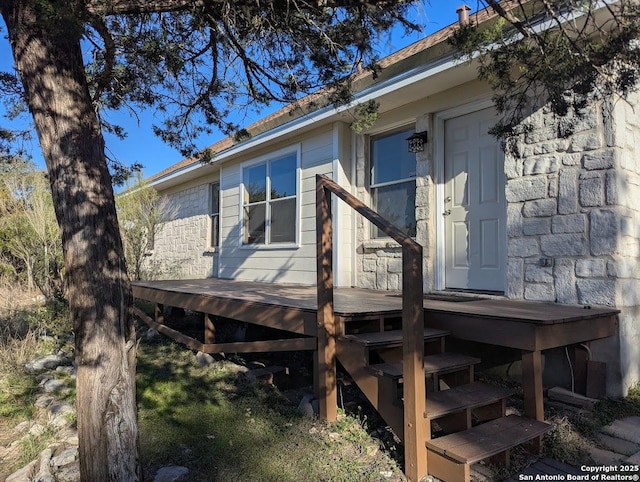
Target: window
column 269, row 202
column 392, row 181
column 214, row 214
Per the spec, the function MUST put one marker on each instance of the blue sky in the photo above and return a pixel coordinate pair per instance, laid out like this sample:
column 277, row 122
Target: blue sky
column 143, row 147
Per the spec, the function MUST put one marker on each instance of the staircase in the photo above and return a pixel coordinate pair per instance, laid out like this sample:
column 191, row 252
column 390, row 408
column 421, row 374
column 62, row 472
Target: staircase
column 465, row 421
column 461, row 421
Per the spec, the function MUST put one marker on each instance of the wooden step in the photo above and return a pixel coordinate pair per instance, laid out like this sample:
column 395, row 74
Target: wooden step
column 473, row 395
column 433, row 364
column 388, row 339
column 488, row 439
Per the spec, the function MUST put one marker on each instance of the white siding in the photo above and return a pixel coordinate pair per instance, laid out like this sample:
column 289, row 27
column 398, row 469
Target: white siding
column 296, row 264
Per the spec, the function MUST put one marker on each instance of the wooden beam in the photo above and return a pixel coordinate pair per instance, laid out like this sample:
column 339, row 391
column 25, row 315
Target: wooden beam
column 532, row 391
column 415, row 431
column 209, row 329
column 280, row 317
column 158, row 313
column 170, row 332
column 325, row 361
column 262, row 346
column 287, row 344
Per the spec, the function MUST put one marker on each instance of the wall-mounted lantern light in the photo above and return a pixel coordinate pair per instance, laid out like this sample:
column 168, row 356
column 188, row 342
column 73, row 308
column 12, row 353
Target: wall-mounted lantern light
column 416, row 141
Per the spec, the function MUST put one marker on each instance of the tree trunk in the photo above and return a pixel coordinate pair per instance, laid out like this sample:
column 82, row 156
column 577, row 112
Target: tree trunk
column 45, row 39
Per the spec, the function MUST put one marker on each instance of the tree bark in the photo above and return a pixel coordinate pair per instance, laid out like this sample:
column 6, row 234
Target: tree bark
column 45, row 39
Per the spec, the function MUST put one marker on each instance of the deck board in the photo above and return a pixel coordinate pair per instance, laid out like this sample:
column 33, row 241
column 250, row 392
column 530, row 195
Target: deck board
column 360, row 301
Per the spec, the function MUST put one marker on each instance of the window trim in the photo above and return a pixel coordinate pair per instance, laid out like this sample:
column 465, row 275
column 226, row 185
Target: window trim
column 211, row 246
column 265, row 159
column 371, row 185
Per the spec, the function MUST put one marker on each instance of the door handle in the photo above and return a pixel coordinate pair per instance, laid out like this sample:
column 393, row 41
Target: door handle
column 447, row 199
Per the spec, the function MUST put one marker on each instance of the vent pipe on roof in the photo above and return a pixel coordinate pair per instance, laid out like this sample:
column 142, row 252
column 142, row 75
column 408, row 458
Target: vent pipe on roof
column 463, row 15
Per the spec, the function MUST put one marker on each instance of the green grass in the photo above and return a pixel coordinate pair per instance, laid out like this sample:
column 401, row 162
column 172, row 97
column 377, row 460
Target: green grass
column 223, row 428
column 17, row 388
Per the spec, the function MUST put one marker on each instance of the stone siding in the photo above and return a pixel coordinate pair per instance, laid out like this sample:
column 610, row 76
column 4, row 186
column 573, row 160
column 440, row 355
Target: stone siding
column 573, row 192
column 379, row 261
column 180, row 249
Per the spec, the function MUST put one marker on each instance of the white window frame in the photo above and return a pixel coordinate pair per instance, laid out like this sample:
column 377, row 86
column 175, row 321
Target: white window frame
column 373, row 186
column 214, row 218
column 266, row 159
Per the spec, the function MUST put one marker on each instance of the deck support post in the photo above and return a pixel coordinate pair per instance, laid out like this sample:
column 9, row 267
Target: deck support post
column 532, row 391
column 209, row 329
column 325, row 362
column 158, row 313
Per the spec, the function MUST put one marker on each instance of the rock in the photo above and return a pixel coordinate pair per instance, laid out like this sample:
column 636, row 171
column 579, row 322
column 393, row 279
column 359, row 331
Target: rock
column 22, row 427
column 62, row 414
column 43, row 401
column 25, row 474
column 65, row 458
column 60, row 408
column 633, row 460
column 36, row 429
column 604, row 457
column 305, row 407
column 618, row 445
column 170, row 474
column 204, row 359
column 48, row 362
column 151, row 334
column 53, row 385
column 44, row 474
column 627, row 429
column 69, row 473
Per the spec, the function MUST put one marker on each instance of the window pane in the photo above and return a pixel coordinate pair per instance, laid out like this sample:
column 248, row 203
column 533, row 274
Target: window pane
column 255, row 183
column 390, row 158
column 283, row 177
column 396, row 203
column 283, row 225
column 215, row 240
column 254, row 224
column 215, row 198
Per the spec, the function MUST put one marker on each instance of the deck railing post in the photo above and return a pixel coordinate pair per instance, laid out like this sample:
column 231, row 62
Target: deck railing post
column 416, row 428
column 414, row 391
column 325, row 355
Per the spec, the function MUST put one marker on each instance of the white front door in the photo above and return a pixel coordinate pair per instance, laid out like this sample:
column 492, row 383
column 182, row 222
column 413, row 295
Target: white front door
column 474, row 205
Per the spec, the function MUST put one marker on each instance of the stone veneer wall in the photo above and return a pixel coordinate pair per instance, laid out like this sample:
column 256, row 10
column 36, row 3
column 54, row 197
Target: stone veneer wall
column 379, row 261
column 180, row 249
column 573, row 194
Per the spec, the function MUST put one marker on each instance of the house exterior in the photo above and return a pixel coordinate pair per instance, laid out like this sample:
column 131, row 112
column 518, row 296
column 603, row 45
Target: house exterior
column 555, row 219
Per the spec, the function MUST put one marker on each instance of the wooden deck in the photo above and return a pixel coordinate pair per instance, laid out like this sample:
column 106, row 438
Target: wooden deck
column 517, row 324
column 527, row 326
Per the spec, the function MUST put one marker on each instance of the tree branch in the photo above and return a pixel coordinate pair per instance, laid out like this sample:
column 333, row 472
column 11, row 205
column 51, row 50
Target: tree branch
column 124, row 7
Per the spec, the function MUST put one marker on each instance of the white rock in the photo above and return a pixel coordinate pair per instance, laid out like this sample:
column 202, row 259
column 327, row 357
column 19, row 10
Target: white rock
column 170, row 474
column 69, row 473
column 53, row 385
column 305, row 407
column 25, row 474
column 204, row 359
column 48, row 362
column 67, row 457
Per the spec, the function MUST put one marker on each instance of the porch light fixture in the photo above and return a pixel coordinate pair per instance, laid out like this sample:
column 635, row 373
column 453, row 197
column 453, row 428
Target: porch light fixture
column 416, row 141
